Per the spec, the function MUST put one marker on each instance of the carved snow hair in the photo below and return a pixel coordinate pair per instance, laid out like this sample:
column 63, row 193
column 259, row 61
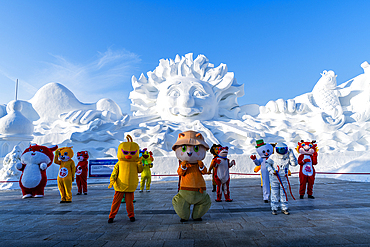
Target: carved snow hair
column 222, row 82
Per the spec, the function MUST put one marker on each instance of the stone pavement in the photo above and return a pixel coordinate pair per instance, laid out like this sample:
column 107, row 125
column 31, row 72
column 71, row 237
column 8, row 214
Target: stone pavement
column 339, row 216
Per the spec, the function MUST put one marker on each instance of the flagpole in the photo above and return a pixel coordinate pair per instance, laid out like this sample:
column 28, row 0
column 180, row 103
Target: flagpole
column 16, row 90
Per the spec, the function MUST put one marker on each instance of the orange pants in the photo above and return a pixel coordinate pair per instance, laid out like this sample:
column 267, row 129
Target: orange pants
column 129, row 198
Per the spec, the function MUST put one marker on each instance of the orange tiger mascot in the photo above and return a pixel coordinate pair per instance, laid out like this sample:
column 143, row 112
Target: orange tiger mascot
column 307, row 159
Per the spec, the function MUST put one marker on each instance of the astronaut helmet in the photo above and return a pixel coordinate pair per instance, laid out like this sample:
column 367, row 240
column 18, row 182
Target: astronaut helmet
column 281, row 148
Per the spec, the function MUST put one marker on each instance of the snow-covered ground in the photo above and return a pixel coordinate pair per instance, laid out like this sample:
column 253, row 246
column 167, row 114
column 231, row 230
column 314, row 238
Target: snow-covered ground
column 192, row 94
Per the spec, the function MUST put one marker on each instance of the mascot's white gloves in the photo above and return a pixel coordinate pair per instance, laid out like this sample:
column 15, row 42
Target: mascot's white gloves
column 18, row 166
column 43, row 166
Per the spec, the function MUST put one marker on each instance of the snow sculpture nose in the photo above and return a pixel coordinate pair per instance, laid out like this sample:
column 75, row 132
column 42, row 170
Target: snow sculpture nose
column 185, row 100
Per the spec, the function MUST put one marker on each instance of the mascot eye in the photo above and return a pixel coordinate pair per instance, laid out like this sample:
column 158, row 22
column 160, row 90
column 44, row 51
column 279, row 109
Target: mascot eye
column 196, row 148
column 66, row 153
column 263, row 151
column 303, row 144
column 310, row 145
column 268, row 151
column 133, row 152
column 184, row 148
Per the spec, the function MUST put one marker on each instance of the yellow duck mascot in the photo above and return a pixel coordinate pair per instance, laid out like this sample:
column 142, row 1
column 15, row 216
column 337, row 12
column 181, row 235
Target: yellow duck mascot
column 146, row 175
column 66, row 175
column 124, row 177
column 191, row 149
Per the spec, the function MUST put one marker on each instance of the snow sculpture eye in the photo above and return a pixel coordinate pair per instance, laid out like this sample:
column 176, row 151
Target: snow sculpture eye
column 174, row 93
column 198, row 93
column 184, row 148
column 196, row 149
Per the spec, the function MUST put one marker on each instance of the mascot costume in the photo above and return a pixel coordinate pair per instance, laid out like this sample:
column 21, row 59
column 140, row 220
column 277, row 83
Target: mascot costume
column 215, row 149
column 34, row 162
column 191, row 149
column 264, row 151
column 81, row 172
column 66, row 175
column 278, row 165
column 124, row 177
column 146, row 175
column 221, row 165
column 307, row 159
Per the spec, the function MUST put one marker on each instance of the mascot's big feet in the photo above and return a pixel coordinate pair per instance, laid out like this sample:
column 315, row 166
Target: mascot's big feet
column 38, row 196
column 27, row 196
column 219, row 198
column 227, row 198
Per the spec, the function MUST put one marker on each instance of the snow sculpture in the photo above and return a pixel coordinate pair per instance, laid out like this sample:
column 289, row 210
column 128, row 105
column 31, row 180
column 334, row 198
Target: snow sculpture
column 14, row 123
column 186, row 90
column 9, row 162
column 9, row 171
column 15, row 128
column 54, row 101
column 357, row 100
column 282, row 106
column 325, row 94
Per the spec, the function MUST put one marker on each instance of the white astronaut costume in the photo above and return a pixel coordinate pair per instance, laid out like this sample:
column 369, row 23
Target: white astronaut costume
column 279, row 162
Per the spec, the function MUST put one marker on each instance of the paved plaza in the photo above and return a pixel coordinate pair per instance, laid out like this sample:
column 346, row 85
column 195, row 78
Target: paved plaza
column 339, row 216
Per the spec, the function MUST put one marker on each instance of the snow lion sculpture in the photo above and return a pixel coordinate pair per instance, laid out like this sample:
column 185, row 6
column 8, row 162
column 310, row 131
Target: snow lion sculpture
column 186, row 90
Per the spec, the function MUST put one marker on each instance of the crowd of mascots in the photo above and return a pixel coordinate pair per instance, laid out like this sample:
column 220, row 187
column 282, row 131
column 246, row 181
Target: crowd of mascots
column 190, row 148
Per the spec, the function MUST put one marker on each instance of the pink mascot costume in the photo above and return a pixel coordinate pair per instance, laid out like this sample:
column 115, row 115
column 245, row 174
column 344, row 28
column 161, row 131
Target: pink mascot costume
column 34, row 162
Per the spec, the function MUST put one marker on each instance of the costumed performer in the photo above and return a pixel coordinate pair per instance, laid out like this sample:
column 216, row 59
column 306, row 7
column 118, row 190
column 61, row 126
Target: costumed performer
column 124, row 177
column 221, row 164
column 191, row 149
column 278, row 165
column 34, row 162
column 307, row 159
column 81, row 172
column 146, row 175
column 264, row 151
column 214, row 150
column 66, row 175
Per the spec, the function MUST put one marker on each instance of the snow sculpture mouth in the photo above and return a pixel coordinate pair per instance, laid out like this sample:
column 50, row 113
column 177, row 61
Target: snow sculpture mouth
column 186, row 112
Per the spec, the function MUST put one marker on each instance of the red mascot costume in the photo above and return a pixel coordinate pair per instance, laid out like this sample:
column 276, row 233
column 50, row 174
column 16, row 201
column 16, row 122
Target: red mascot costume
column 81, row 172
column 34, row 162
column 307, row 159
column 222, row 164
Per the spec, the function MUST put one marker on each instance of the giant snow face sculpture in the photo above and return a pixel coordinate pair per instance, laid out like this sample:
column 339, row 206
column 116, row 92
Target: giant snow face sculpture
column 186, row 90
column 186, row 98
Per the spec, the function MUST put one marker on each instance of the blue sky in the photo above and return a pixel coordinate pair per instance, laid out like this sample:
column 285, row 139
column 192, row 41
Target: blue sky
column 277, row 49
